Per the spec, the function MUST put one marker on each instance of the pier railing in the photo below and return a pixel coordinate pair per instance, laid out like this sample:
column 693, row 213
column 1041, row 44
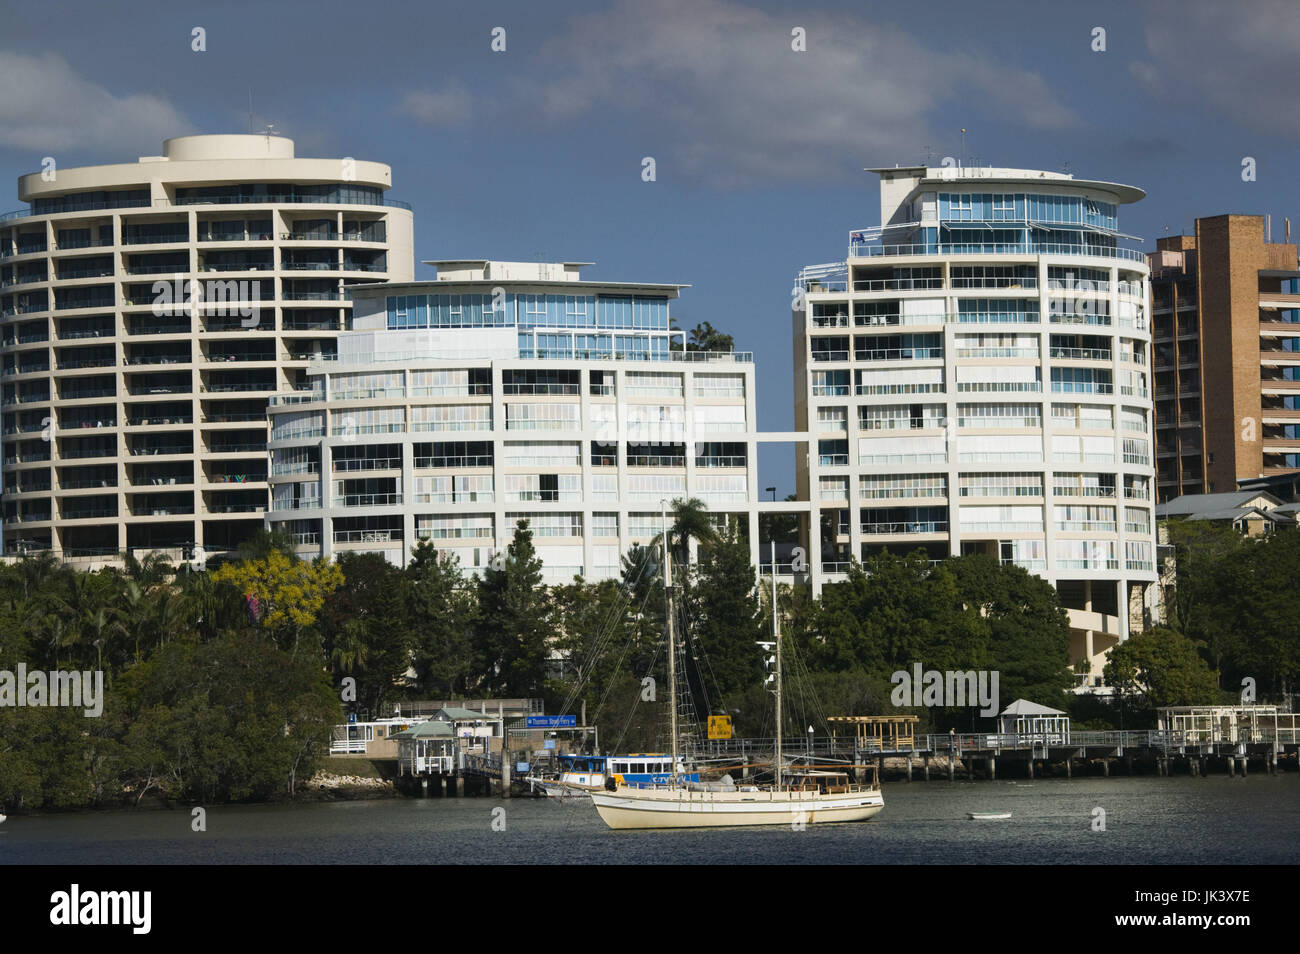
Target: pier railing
column 760, row 749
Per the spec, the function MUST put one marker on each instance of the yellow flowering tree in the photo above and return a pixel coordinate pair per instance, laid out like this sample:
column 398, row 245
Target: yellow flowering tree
column 285, row 595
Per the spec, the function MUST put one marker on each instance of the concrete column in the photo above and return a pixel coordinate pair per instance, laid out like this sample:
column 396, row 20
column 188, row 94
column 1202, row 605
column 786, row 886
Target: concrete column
column 909, row 768
column 1105, row 766
column 952, row 766
column 1029, row 764
column 1232, row 767
column 925, row 767
column 505, row 773
column 993, row 768
column 1069, row 767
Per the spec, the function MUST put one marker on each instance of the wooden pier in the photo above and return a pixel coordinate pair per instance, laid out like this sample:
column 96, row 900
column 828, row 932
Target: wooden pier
column 984, row 755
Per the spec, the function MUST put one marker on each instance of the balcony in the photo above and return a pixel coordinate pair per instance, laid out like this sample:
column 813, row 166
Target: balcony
column 898, row 354
column 160, row 450
column 1092, row 319
column 656, row 460
column 367, row 536
column 376, row 463
column 484, row 460
column 162, row 238
column 906, row 526
column 1081, row 354
column 863, row 250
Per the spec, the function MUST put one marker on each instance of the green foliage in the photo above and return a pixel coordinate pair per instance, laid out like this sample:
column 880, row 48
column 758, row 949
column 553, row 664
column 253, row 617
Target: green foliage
column 512, row 625
column 1165, row 666
column 365, row 629
column 442, row 610
column 200, row 697
column 722, row 605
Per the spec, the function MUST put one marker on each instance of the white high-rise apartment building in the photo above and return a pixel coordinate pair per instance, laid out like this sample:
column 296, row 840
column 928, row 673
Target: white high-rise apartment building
column 974, row 378
column 149, row 310
column 507, row 391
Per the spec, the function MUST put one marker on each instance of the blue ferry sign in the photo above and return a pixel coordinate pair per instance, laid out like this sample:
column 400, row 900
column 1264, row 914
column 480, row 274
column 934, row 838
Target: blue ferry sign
column 552, row 722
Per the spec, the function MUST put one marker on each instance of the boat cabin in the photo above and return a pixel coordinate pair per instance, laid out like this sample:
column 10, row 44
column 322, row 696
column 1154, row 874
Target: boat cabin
column 824, row 783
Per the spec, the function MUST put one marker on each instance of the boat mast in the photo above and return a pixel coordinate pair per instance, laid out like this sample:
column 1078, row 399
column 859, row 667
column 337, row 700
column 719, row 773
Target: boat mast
column 776, row 635
column 672, row 649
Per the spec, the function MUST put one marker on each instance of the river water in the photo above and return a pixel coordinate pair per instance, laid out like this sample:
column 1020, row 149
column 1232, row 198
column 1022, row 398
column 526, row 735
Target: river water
column 1054, row 821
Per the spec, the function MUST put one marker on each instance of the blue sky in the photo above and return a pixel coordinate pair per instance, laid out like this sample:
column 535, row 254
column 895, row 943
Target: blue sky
column 535, row 152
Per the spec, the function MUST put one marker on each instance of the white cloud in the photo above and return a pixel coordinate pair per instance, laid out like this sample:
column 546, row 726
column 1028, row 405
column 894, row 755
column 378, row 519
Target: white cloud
column 1236, row 60
column 718, row 84
column 444, row 107
column 47, row 107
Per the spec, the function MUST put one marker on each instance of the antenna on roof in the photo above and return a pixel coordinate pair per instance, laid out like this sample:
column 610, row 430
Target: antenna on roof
column 250, row 110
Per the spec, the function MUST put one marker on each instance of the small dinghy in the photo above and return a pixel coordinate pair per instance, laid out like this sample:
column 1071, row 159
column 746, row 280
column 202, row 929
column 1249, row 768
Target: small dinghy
column 988, row 816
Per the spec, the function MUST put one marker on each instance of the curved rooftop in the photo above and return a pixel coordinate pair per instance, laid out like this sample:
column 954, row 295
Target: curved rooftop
column 948, row 175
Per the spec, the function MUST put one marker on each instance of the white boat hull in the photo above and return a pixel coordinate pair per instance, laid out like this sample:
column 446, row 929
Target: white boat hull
column 679, row 808
column 553, row 789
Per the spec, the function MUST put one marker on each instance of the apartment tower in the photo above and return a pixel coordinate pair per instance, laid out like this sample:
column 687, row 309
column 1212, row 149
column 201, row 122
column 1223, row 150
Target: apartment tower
column 505, row 391
column 974, row 379
column 1226, row 320
column 149, row 310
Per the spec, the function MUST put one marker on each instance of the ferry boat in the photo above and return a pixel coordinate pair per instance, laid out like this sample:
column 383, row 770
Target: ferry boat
column 580, row 775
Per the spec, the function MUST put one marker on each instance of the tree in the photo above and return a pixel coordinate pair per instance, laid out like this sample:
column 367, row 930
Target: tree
column 1165, row 666
column 512, row 626
column 289, row 593
column 704, row 337
column 365, row 629
column 726, row 623
column 690, row 522
column 442, row 608
column 1028, row 631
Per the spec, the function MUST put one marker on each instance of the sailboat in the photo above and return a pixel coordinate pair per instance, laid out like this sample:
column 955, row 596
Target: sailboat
column 794, row 799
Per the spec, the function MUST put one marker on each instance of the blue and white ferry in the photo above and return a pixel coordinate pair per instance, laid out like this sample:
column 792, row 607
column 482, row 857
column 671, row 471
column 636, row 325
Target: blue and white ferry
column 580, row 775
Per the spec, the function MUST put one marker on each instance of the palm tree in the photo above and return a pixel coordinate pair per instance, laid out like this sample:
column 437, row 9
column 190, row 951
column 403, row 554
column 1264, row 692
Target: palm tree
column 690, row 522
column 150, row 572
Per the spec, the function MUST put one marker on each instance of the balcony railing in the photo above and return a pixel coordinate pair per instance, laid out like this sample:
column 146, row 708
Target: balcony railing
column 860, row 250
column 367, row 536
column 467, row 461
column 899, row 354
column 1083, row 354
column 906, row 526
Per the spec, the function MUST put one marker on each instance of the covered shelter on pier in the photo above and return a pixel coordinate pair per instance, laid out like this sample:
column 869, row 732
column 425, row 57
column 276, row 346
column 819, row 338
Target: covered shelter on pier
column 883, row 733
column 429, row 747
column 1029, row 719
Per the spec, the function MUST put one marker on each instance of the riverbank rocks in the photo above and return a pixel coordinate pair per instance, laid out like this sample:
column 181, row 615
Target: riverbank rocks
column 330, row 785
